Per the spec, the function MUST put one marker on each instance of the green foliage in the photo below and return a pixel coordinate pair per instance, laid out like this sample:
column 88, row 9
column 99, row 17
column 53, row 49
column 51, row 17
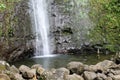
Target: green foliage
column 7, row 24
column 106, row 16
column 2, row 6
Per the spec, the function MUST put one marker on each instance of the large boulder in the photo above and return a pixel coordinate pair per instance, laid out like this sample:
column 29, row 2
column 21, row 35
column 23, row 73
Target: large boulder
column 89, row 75
column 23, row 69
column 101, row 66
column 18, row 77
column 48, row 75
column 101, row 76
column 56, row 74
column 110, row 74
column 106, row 64
column 39, row 69
column 74, row 77
column 4, row 66
column 75, row 67
column 14, row 69
column 108, row 78
column 115, row 72
column 26, row 72
column 29, row 74
column 36, row 66
column 4, row 77
column 61, row 73
column 116, row 77
column 15, row 76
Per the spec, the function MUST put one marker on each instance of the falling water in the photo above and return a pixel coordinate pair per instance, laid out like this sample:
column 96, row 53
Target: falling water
column 40, row 27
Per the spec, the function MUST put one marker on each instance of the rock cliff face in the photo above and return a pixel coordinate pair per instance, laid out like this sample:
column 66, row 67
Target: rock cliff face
column 70, row 24
column 59, row 29
column 15, row 40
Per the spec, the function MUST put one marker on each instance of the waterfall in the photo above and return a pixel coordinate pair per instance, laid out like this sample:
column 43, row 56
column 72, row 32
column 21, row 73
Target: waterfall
column 40, row 27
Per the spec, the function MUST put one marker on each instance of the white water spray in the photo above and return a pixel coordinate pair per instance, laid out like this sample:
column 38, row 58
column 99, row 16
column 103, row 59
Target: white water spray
column 40, row 27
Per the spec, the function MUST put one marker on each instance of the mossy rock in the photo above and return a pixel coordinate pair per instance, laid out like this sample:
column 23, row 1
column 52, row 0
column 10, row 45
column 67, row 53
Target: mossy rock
column 2, row 67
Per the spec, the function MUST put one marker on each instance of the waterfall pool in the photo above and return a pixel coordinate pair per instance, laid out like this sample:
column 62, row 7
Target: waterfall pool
column 62, row 60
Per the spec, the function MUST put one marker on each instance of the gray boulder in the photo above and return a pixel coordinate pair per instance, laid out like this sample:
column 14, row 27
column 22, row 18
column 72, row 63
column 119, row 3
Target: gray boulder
column 15, row 76
column 61, row 73
column 39, row 69
column 101, row 76
column 23, row 69
column 14, row 69
column 74, row 77
column 108, row 78
column 18, row 77
column 101, row 66
column 47, row 75
column 27, row 73
column 115, row 72
column 4, row 77
column 110, row 75
column 30, row 74
column 36, row 66
column 116, row 77
column 106, row 64
column 56, row 74
column 89, row 75
column 75, row 67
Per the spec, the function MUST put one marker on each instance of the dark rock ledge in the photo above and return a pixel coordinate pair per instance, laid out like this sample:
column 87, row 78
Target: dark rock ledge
column 105, row 70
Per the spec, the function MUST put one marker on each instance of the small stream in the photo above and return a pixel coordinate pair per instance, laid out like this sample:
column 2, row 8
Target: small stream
column 62, row 60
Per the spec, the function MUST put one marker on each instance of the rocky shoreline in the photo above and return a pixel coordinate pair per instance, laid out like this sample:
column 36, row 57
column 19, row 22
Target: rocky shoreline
column 105, row 70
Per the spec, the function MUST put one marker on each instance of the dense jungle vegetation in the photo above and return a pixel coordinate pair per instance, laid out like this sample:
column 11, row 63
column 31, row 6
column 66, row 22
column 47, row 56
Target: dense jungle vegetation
column 105, row 15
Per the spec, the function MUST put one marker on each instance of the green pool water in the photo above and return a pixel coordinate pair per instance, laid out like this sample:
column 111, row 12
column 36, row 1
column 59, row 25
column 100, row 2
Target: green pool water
column 62, row 60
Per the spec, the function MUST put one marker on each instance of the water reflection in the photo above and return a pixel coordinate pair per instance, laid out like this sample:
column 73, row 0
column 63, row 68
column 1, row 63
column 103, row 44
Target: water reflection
column 62, row 60
column 44, row 60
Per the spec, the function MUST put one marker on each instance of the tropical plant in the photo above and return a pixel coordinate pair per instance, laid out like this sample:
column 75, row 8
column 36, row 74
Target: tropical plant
column 106, row 16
